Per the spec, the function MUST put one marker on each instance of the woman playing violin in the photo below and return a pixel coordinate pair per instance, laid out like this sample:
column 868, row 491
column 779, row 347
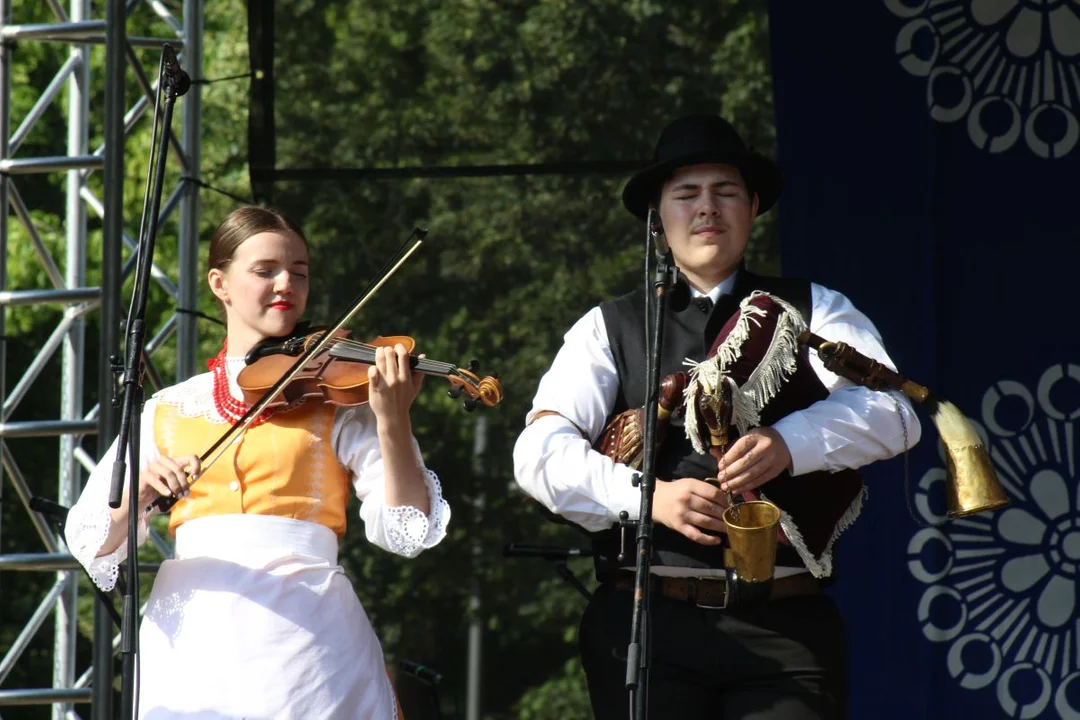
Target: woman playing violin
column 254, row 617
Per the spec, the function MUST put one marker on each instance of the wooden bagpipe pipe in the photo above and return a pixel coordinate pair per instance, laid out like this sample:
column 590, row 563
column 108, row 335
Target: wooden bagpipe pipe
column 973, row 485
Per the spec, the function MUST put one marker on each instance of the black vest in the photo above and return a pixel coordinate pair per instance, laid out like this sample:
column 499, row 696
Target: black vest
column 687, row 334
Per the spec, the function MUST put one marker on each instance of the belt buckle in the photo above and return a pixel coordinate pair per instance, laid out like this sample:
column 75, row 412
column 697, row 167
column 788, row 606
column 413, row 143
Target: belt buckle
column 692, row 594
column 727, row 594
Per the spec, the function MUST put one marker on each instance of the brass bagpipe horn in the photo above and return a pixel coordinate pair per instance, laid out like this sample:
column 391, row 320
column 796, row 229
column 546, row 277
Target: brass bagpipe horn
column 972, row 486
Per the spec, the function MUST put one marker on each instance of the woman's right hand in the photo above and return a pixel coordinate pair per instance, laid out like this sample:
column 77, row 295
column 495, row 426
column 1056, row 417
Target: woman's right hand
column 164, row 476
column 167, row 476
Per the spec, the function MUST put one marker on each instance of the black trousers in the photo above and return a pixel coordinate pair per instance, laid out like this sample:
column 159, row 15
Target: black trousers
column 783, row 659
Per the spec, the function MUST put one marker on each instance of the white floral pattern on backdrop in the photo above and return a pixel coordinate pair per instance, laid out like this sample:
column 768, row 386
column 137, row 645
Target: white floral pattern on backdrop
column 1009, row 69
column 1005, row 595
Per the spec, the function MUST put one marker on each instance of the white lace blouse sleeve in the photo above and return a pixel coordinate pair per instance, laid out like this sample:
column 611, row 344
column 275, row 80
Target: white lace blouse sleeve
column 89, row 519
column 404, row 530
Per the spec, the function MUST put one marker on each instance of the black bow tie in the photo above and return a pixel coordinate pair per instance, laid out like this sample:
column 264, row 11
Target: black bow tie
column 703, row 303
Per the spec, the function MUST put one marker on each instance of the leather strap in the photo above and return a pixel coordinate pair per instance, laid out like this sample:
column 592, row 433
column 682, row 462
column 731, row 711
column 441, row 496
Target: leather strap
column 713, row 592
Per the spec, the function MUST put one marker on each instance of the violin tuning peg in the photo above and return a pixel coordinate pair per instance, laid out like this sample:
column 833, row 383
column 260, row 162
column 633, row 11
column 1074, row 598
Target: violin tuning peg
column 454, row 392
column 474, row 365
column 470, row 404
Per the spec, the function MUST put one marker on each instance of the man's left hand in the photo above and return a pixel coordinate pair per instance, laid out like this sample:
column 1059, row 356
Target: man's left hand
column 753, row 460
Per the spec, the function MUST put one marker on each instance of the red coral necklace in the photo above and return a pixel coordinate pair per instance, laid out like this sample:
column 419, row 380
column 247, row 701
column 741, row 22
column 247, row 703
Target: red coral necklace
column 228, row 406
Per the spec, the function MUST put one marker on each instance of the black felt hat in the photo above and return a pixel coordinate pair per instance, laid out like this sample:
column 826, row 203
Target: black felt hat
column 698, row 139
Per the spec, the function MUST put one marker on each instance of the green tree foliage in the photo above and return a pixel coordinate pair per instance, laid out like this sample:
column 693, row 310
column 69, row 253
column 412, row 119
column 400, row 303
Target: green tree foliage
column 224, row 155
column 511, row 263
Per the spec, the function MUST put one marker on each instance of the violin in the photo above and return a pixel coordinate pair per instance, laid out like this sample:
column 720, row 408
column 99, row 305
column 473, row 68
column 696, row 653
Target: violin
column 337, row 374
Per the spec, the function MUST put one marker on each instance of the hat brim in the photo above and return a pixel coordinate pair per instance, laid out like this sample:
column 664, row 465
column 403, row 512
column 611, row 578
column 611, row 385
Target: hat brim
column 758, row 171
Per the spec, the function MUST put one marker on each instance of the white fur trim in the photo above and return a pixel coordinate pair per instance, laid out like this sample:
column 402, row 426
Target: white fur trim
column 820, row 567
column 777, row 365
column 780, row 360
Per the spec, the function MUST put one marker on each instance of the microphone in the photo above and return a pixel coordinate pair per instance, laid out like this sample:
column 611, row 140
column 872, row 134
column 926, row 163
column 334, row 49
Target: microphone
column 180, row 81
column 679, row 295
column 421, row 671
column 656, row 229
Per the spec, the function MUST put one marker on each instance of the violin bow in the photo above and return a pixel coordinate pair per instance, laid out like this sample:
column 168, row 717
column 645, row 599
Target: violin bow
column 215, row 451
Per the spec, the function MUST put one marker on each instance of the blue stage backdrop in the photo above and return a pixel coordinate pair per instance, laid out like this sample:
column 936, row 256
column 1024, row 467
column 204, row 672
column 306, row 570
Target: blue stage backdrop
column 933, row 175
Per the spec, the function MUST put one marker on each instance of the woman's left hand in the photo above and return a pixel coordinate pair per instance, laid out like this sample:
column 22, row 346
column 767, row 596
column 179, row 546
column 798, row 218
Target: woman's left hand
column 392, row 385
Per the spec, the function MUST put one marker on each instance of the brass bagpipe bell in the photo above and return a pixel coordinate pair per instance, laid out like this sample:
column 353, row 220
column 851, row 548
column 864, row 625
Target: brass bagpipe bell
column 972, row 483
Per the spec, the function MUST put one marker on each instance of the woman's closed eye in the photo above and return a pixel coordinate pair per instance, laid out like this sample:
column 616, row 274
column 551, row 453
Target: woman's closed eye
column 274, row 272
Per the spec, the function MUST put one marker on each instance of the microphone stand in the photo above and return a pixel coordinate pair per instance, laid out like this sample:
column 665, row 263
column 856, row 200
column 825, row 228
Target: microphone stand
column 173, row 82
column 638, row 651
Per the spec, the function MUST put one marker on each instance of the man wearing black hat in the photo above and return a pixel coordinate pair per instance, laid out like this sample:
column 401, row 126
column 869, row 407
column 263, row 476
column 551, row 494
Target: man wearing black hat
column 711, row 657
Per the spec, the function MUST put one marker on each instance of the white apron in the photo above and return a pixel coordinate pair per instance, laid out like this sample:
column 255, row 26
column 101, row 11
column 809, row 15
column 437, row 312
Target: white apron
column 255, row 619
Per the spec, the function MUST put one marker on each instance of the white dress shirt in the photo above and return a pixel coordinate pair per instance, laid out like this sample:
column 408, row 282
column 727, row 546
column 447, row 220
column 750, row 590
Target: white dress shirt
column 852, row 427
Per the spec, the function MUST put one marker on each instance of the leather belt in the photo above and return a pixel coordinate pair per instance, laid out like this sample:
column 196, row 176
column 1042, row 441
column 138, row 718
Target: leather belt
column 713, row 592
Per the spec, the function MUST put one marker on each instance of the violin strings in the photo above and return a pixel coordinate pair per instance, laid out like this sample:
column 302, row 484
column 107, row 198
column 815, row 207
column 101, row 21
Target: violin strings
column 435, row 365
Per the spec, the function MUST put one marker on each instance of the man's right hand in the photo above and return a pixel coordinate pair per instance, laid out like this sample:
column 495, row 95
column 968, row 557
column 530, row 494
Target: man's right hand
column 689, row 505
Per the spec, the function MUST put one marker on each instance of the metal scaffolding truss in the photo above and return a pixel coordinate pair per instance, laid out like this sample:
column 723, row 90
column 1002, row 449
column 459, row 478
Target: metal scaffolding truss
column 74, row 28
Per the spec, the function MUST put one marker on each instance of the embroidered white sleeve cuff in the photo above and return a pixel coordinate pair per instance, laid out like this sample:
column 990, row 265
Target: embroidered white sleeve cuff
column 87, row 529
column 406, row 530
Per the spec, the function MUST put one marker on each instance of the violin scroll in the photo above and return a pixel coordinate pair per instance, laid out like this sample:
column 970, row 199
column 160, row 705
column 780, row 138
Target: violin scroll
column 485, row 391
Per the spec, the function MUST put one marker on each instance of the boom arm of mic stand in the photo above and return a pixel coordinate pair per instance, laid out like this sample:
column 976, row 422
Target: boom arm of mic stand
column 557, row 554
column 548, row 552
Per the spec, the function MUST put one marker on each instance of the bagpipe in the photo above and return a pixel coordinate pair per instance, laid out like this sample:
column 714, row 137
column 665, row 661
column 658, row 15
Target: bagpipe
column 757, row 371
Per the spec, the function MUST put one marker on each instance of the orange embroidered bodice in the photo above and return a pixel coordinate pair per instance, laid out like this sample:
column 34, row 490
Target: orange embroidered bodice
column 284, row 467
